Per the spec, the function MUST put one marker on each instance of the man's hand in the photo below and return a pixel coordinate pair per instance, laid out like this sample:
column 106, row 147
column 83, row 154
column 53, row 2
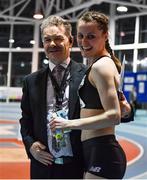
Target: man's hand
column 38, row 152
column 124, row 105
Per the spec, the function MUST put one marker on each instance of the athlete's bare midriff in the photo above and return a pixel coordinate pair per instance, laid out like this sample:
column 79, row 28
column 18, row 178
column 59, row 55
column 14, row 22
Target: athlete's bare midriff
column 88, row 134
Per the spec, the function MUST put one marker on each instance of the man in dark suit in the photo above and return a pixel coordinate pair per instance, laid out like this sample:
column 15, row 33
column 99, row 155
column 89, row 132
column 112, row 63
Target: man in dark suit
column 39, row 100
column 51, row 158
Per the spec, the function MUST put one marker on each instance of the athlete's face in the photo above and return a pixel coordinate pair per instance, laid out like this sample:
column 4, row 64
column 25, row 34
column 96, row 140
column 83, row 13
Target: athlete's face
column 56, row 43
column 90, row 39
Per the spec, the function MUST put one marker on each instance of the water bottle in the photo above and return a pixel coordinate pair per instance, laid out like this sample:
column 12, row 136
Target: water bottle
column 59, row 136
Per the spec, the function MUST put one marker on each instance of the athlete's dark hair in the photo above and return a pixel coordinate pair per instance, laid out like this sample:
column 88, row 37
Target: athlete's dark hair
column 102, row 21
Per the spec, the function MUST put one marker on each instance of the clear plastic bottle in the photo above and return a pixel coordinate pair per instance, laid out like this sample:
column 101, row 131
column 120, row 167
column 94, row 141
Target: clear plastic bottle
column 59, row 136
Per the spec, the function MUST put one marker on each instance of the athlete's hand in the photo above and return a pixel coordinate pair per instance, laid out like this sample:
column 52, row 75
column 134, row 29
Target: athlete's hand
column 38, row 152
column 124, row 105
column 58, row 123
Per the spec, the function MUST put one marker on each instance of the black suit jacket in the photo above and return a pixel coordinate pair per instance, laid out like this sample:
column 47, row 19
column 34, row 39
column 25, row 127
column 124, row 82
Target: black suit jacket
column 34, row 107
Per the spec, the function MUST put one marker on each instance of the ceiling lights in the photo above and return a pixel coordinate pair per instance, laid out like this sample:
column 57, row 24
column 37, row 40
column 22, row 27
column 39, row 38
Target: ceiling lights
column 11, row 41
column 38, row 16
column 32, row 42
column 122, row 9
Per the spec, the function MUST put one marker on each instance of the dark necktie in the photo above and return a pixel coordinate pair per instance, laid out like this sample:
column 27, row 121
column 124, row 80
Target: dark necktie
column 58, row 73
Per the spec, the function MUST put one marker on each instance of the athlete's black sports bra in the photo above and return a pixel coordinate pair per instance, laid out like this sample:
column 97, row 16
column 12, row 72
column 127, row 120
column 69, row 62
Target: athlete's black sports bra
column 89, row 94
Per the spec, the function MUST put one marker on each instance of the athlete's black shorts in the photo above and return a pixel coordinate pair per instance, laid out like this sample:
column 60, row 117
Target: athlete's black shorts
column 104, row 157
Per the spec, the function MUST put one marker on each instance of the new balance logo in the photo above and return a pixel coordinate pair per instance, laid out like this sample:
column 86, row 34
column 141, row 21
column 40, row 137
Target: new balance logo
column 95, row 169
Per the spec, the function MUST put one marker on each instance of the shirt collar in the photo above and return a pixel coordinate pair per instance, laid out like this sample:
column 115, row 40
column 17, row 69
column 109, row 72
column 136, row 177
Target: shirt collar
column 64, row 64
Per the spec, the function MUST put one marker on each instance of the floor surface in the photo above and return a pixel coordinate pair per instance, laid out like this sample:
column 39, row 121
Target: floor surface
column 14, row 163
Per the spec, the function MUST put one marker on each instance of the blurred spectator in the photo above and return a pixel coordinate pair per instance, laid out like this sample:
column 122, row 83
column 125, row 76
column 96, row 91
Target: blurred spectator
column 133, row 98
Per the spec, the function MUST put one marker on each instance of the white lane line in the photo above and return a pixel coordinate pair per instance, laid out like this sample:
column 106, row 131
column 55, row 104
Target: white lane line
column 7, row 130
column 140, row 148
column 140, row 176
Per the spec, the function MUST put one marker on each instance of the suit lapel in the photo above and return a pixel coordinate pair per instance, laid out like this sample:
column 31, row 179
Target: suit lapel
column 42, row 87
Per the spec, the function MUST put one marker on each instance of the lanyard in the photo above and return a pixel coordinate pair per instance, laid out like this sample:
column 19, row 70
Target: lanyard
column 60, row 90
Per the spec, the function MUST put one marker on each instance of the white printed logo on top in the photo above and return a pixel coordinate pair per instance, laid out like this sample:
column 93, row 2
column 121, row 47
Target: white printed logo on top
column 95, row 169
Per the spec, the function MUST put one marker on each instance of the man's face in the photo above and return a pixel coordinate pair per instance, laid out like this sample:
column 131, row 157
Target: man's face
column 56, row 44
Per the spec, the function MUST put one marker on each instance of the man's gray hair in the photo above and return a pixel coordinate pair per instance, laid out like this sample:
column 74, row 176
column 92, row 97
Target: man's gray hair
column 54, row 20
